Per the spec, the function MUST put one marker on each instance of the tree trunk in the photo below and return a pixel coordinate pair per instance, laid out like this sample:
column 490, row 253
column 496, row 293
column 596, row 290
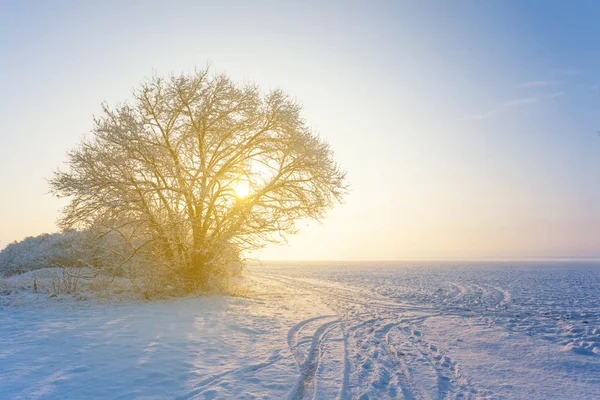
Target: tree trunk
column 197, row 273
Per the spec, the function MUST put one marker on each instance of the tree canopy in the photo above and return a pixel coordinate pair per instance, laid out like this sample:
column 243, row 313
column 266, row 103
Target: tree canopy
column 195, row 171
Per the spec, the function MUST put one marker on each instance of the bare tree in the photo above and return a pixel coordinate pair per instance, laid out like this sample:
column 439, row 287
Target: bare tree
column 196, row 171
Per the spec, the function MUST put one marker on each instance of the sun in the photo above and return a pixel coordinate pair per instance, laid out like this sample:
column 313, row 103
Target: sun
column 241, row 189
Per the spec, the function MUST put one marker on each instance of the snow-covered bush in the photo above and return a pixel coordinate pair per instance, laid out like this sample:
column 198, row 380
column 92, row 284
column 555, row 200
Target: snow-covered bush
column 43, row 251
column 94, row 260
column 72, row 249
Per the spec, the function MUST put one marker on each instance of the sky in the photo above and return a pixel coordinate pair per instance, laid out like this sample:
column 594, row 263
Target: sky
column 468, row 129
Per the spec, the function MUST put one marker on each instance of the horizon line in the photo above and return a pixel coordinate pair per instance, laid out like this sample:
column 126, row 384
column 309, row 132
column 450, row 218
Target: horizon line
column 474, row 259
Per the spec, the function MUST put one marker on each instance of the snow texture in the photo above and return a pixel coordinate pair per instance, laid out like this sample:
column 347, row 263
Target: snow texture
column 316, row 331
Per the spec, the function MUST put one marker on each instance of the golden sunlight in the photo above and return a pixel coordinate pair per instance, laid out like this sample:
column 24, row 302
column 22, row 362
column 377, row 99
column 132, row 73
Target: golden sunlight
column 300, row 200
column 241, row 189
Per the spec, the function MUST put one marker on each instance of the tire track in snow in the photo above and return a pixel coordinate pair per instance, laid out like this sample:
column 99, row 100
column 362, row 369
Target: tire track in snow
column 476, row 296
column 292, row 337
column 506, row 297
column 308, row 369
column 374, row 365
column 347, row 295
column 215, row 379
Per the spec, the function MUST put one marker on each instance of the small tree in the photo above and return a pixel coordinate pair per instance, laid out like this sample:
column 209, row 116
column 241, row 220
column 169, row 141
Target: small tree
column 198, row 170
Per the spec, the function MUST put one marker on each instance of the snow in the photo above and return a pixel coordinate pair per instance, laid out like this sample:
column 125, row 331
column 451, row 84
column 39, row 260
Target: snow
column 310, row 330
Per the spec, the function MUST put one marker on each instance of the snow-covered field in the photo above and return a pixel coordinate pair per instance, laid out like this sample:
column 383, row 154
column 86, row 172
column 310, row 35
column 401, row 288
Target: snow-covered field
column 377, row 331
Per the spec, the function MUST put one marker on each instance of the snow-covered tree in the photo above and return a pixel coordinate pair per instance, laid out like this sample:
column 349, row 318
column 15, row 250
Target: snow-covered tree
column 197, row 170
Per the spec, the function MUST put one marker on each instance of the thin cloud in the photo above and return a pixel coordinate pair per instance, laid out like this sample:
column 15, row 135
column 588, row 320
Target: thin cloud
column 511, row 104
column 533, row 84
column 521, row 102
column 479, row 117
column 530, row 100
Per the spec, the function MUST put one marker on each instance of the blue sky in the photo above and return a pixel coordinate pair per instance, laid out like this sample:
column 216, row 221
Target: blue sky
column 468, row 128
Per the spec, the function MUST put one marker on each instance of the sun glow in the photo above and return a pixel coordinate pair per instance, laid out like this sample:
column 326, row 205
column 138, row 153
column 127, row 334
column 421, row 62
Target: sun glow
column 241, row 189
